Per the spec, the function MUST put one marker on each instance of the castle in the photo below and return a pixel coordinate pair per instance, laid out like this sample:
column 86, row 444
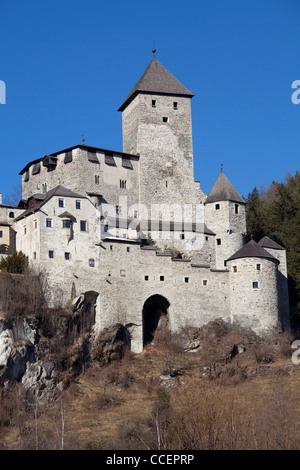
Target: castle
column 133, row 235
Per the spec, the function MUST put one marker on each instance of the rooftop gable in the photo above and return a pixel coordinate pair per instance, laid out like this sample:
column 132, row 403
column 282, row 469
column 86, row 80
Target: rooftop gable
column 267, row 242
column 252, row 250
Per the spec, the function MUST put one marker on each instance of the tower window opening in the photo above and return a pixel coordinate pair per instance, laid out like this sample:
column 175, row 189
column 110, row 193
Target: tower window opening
column 186, row 280
column 217, row 207
column 175, row 105
column 218, row 241
column 234, row 268
column 236, row 208
column 146, row 278
column 181, row 236
column 255, row 285
column 97, row 179
column 258, row 266
column 204, row 282
column 165, row 119
column 67, row 255
column 162, row 278
column 153, row 103
column 123, row 184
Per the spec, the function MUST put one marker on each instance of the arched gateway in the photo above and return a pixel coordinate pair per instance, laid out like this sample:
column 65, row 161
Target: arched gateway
column 155, row 313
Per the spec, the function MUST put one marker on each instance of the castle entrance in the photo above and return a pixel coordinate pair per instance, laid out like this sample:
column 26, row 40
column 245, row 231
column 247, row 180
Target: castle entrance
column 155, row 315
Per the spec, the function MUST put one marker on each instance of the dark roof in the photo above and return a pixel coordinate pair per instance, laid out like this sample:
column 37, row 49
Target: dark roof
column 252, row 250
column 159, row 225
column 88, row 148
column 156, row 79
column 223, row 190
column 266, row 242
column 58, row 191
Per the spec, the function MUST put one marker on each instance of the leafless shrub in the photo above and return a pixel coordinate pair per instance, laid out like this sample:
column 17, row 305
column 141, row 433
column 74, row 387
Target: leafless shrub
column 263, row 354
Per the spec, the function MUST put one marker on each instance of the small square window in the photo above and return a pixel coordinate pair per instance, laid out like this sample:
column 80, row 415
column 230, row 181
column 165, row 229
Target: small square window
column 165, row 119
column 67, row 255
column 146, row 278
column 60, row 203
column 92, row 262
column 66, row 223
column 206, row 239
column 1, row 233
column 97, row 179
column 175, row 105
column 218, row 241
column 258, row 267
column 255, row 285
column 51, row 254
column 234, row 268
column 82, row 226
column 153, row 103
column 78, row 205
column 181, row 236
column 217, row 207
column 128, row 249
column 186, row 280
column 162, row 278
column 204, row 282
column 48, row 222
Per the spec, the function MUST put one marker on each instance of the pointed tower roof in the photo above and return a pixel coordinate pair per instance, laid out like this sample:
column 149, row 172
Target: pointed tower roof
column 267, row 242
column 156, row 79
column 252, row 250
column 223, row 190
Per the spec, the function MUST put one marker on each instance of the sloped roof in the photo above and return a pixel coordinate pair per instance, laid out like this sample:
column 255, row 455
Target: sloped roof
column 223, row 190
column 57, row 191
column 157, row 79
column 252, row 250
column 267, row 242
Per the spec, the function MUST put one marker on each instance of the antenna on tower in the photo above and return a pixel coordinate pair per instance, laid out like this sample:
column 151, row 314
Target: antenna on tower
column 83, row 139
column 153, row 51
column 221, row 167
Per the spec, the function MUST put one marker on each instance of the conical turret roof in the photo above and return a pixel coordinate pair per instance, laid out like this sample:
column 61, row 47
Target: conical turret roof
column 156, row 79
column 223, row 190
column 252, row 250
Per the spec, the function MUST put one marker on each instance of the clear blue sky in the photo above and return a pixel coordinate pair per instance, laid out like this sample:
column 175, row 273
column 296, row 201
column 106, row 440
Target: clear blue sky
column 69, row 64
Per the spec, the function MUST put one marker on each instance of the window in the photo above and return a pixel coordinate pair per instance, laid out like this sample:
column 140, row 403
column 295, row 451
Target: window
column 67, row 255
column 97, row 179
column 60, row 203
column 234, row 268
column 153, row 103
column 25, row 230
column 255, row 285
column 111, row 248
column 217, row 207
column 162, row 278
column 146, row 278
column 66, row 223
column 175, row 105
column 51, row 254
column 165, row 119
column 1, row 233
column 106, row 228
column 91, row 262
column 218, row 241
column 34, row 255
column 136, row 214
column 186, row 280
column 11, row 215
column 236, row 208
column 118, row 210
column 181, row 236
column 35, row 224
column 204, row 282
column 122, row 184
column 48, row 222
column 44, row 187
column 206, row 239
column 78, row 205
column 83, row 226
column 166, row 184
column 128, row 249
column 258, row 266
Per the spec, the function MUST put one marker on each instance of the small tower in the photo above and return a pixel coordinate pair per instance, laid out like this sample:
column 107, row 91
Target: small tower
column 279, row 253
column 156, row 121
column 253, row 284
column 225, row 215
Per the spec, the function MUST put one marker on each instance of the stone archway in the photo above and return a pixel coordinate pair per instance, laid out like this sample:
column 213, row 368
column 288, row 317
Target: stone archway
column 155, row 313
